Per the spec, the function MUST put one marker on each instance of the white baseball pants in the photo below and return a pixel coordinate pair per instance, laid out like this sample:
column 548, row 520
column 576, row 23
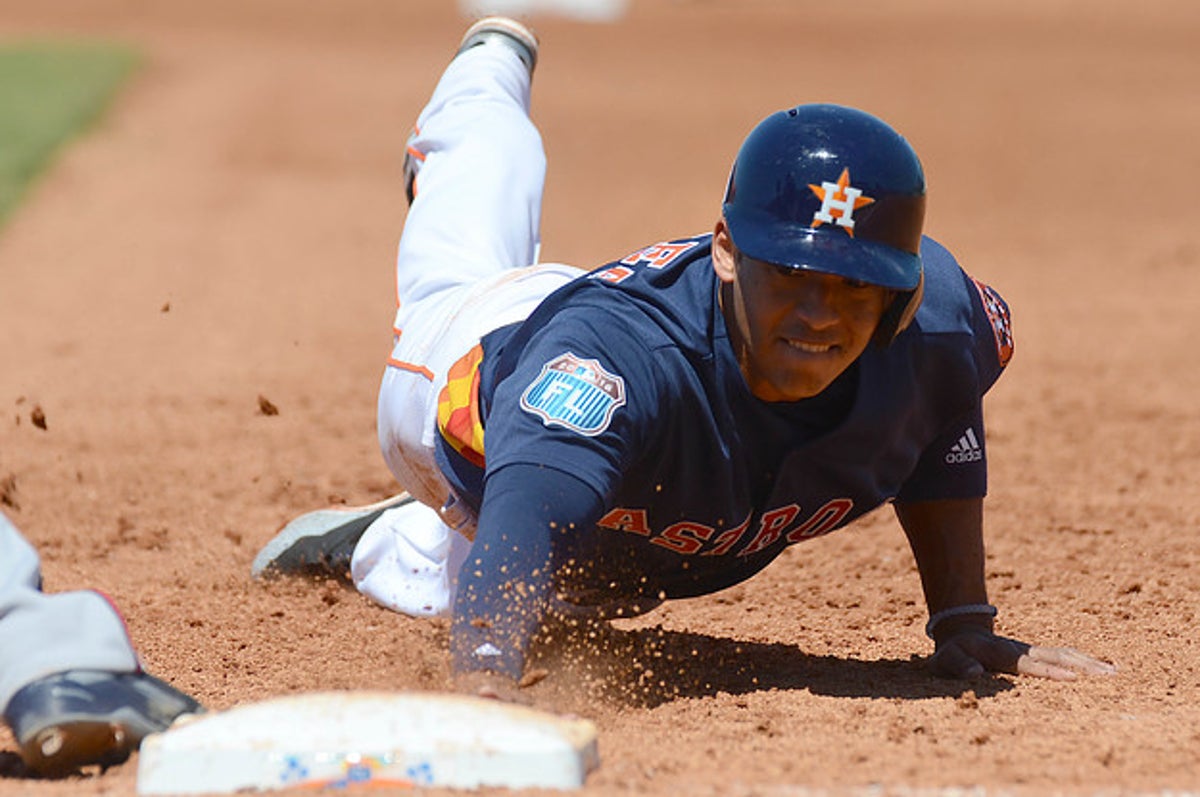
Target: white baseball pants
column 463, row 269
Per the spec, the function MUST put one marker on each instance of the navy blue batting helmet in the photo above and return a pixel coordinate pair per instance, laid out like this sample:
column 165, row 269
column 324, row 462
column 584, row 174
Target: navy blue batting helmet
column 832, row 189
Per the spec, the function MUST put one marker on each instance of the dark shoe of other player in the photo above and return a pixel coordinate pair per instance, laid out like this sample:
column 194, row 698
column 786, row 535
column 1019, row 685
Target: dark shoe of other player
column 87, row 717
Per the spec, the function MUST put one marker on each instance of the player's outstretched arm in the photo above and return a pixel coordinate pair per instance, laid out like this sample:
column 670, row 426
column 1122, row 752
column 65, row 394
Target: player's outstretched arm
column 528, row 514
column 947, row 540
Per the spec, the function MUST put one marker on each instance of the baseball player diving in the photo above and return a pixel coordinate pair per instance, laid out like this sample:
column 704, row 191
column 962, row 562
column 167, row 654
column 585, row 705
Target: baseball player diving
column 664, row 426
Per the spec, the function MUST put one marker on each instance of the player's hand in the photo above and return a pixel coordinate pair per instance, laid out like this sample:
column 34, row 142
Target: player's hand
column 497, row 687
column 972, row 652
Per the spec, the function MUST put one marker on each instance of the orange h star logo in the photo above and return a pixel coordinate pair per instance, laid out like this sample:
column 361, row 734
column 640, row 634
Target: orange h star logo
column 838, row 202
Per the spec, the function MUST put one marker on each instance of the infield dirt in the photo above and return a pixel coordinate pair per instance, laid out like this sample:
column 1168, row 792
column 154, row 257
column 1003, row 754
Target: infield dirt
column 223, row 242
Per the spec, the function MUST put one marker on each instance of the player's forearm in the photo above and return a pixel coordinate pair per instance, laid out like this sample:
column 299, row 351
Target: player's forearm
column 493, row 639
column 502, row 593
column 946, row 538
column 504, row 586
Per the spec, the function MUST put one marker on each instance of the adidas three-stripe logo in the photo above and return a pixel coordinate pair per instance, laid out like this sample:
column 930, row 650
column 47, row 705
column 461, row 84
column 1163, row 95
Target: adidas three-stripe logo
column 967, row 449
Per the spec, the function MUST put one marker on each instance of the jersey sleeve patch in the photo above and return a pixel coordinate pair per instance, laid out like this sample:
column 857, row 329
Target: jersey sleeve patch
column 999, row 318
column 575, row 393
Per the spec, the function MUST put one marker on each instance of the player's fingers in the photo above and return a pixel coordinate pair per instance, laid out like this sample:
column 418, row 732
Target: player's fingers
column 1027, row 665
column 1070, row 659
column 491, row 686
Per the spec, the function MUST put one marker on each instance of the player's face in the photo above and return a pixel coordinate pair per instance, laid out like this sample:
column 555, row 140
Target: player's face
column 794, row 332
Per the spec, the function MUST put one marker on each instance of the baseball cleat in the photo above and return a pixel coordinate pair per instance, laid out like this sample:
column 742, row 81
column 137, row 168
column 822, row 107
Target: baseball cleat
column 505, row 31
column 320, row 543
column 81, row 718
column 487, row 31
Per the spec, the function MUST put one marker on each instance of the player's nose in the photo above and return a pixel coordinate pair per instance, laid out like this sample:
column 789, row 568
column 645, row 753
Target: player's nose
column 814, row 301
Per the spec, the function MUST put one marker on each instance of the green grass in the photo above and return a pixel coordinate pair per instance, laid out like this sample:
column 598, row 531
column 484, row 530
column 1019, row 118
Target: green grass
column 49, row 93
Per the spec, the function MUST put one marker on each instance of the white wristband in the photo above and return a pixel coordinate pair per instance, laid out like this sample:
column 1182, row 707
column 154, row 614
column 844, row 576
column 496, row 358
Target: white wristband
column 955, row 611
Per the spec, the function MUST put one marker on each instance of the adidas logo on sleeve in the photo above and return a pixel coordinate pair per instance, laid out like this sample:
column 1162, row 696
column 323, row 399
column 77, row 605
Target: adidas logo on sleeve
column 967, row 449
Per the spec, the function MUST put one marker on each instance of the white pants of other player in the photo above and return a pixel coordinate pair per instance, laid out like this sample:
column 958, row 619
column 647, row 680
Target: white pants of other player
column 463, row 269
column 44, row 634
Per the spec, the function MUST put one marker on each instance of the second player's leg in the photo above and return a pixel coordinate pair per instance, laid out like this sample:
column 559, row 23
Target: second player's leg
column 42, row 634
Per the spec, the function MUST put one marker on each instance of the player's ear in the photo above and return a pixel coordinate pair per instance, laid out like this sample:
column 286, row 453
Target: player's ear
column 723, row 256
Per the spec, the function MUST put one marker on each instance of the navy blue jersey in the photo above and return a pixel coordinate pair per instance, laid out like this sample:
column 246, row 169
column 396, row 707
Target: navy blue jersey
column 626, row 382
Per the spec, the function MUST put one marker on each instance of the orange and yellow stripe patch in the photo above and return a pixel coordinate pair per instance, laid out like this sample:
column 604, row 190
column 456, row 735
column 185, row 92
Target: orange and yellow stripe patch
column 458, row 408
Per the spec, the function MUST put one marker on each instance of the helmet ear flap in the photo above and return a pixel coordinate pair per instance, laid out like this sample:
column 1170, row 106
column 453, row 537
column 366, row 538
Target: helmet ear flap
column 899, row 314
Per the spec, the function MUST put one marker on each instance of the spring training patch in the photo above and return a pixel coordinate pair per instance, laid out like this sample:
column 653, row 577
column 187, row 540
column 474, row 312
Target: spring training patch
column 576, row 393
